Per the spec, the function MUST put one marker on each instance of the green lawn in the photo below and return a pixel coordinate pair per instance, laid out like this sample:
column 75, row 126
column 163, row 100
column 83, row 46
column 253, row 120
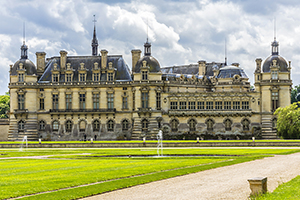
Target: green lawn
column 30, row 176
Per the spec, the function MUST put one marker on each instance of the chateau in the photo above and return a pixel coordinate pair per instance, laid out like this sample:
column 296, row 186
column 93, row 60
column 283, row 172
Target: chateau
column 82, row 97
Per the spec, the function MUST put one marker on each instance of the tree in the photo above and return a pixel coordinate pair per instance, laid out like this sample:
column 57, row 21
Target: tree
column 295, row 91
column 4, row 105
column 288, row 121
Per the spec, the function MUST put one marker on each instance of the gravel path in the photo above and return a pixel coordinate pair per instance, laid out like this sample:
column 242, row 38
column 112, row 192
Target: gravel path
column 228, row 182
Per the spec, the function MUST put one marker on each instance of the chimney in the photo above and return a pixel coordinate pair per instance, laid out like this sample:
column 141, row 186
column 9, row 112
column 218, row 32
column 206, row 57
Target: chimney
column 202, row 67
column 40, row 61
column 258, row 65
column 63, row 59
column 136, row 55
column 103, row 58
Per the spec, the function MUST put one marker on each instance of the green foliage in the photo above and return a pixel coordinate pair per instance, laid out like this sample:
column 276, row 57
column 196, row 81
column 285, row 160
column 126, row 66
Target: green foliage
column 288, row 121
column 294, row 93
column 4, row 105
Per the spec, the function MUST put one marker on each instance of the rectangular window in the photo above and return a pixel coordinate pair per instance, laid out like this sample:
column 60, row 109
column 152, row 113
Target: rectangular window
column 55, row 101
column 96, row 77
column 275, row 103
column 236, row 105
column 21, row 102
column 110, row 76
column 218, row 105
column 145, row 97
column 209, row 105
column 144, row 75
column 68, row 77
column 158, row 100
column 42, row 104
column 227, row 105
column 82, row 101
column 21, row 77
column 68, row 101
column 125, row 103
column 173, row 105
column 200, row 105
column 110, row 100
column 245, row 105
column 192, row 105
column 96, row 101
column 182, row 105
column 82, row 77
column 55, row 78
column 274, row 74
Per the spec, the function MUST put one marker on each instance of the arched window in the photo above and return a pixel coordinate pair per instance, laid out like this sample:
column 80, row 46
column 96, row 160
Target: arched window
column 82, row 125
column 192, row 125
column 55, row 126
column 174, row 125
column 21, row 125
column 245, row 124
column 145, row 125
column 42, row 125
column 110, row 125
column 228, row 124
column 274, row 123
column 69, row 126
column 125, row 124
column 210, row 125
column 96, row 125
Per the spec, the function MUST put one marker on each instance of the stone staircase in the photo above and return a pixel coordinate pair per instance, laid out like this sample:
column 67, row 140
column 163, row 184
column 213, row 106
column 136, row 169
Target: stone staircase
column 268, row 132
column 30, row 130
column 137, row 129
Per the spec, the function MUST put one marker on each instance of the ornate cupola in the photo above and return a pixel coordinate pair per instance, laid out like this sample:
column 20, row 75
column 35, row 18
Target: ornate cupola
column 24, row 49
column 147, row 50
column 94, row 41
column 275, row 45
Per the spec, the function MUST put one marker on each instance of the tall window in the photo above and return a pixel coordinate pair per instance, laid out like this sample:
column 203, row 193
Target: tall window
column 227, row 105
column 110, row 76
column 174, row 125
column 144, row 99
column 82, row 77
column 145, row 125
column 182, row 105
column 192, row 105
column 227, row 123
column 21, row 77
column 21, row 101
column 42, row 103
column 21, row 125
column 236, row 105
column 42, row 125
column 110, row 125
column 245, row 105
column 192, row 125
column 274, row 74
column 82, row 125
column 144, row 75
column 69, row 126
column 158, row 100
column 68, row 77
column 173, row 105
column 209, row 105
column 55, row 78
column 110, row 100
column 55, row 101
column 55, row 125
column 125, row 124
column 275, row 103
column 245, row 124
column 96, row 101
column 96, row 125
column 218, row 105
column 96, row 77
column 68, row 101
column 82, row 101
column 125, row 102
column 200, row 105
column 210, row 125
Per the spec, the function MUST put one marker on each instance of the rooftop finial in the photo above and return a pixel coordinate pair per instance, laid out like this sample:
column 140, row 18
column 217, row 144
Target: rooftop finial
column 94, row 41
column 274, row 28
column 24, row 48
column 147, row 29
column 23, row 32
column 225, row 53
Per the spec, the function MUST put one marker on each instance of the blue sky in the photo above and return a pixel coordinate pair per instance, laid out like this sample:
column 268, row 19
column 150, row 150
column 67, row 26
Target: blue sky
column 181, row 32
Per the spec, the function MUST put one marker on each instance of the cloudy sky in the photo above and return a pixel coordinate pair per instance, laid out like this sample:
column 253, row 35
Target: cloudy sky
column 181, row 32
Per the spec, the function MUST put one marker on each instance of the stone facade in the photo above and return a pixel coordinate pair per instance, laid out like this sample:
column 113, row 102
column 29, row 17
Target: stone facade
column 83, row 97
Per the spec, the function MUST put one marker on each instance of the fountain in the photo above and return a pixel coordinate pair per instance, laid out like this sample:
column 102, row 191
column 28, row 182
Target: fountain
column 159, row 137
column 24, row 140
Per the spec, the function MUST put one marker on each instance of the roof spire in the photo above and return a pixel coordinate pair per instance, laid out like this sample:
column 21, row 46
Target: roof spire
column 275, row 44
column 94, row 41
column 147, row 45
column 24, row 48
column 225, row 53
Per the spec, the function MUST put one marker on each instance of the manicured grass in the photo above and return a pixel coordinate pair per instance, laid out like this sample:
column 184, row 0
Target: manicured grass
column 286, row 191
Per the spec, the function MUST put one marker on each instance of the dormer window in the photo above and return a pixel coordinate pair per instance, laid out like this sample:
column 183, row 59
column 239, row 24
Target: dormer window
column 144, row 75
column 68, row 77
column 110, row 76
column 82, row 77
column 96, row 77
column 21, row 77
column 55, row 78
column 274, row 74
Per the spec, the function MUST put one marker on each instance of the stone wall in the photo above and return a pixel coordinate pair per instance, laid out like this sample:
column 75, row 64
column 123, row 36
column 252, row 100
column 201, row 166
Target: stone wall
column 4, row 125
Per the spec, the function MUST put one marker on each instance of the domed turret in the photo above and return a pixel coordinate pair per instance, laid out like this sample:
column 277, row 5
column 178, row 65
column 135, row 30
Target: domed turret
column 281, row 62
column 28, row 66
column 147, row 60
